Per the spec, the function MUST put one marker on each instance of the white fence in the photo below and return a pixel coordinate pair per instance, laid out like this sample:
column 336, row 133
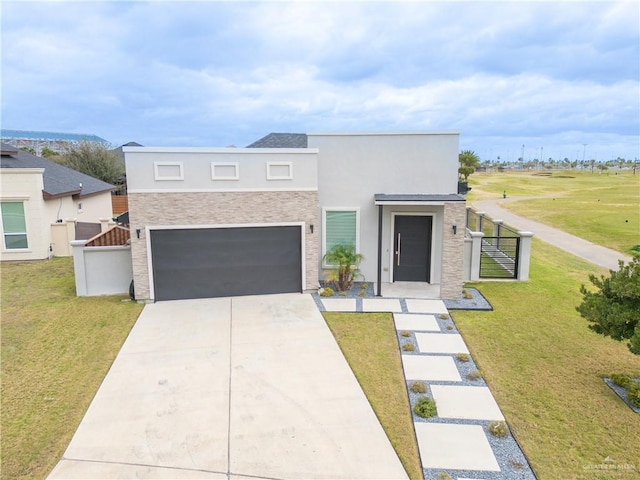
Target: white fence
column 101, row 270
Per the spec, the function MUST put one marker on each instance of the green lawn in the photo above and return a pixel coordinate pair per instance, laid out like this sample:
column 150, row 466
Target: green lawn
column 369, row 343
column 56, row 349
column 544, row 367
column 604, row 209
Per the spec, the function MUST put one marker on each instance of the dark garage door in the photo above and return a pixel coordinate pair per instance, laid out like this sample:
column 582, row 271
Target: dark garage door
column 221, row 262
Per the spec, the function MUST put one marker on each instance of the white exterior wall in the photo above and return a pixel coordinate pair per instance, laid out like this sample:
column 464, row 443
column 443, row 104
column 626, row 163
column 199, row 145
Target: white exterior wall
column 352, row 168
column 101, row 270
column 196, row 167
column 26, row 185
column 94, row 208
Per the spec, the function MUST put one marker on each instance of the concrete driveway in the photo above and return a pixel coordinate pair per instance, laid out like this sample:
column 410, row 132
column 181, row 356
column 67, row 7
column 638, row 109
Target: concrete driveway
column 230, row 388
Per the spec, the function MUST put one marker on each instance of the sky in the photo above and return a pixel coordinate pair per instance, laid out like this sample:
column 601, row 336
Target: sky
column 547, row 79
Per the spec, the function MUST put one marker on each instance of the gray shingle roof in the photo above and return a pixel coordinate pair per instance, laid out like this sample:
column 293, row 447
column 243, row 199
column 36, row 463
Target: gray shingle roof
column 58, row 180
column 281, row 140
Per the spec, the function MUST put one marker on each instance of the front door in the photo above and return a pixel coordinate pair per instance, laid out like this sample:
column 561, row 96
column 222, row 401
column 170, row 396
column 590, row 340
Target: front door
column 412, row 248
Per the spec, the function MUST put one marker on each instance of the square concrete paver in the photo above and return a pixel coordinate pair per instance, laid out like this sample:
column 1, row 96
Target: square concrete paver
column 381, row 305
column 416, row 322
column 441, row 343
column 426, row 306
column 339, row 304
column 456, row 447
column 473, row 403
column 430, row 367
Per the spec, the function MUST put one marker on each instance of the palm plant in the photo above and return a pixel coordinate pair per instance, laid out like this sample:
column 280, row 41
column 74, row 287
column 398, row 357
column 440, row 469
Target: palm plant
column 345, row 261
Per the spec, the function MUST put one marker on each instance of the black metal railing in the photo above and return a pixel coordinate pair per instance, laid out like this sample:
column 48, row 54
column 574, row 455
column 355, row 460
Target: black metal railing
column 499, row 257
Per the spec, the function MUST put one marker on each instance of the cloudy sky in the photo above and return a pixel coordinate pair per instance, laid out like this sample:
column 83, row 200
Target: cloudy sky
column 552, row 76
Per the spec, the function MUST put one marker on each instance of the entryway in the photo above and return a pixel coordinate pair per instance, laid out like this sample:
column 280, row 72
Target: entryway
column 412, row 248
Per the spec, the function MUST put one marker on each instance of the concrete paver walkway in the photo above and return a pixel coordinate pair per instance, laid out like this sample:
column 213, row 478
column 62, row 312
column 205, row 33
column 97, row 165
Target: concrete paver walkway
column 596, row 254
column 457, row 440
column 230, row 388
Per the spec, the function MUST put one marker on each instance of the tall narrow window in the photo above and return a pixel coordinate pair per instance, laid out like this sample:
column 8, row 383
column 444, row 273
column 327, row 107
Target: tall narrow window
column 340, row 228
column 14, row 225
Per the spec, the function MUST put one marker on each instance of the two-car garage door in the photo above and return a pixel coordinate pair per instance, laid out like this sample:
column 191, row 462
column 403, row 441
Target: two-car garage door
column 220, row 262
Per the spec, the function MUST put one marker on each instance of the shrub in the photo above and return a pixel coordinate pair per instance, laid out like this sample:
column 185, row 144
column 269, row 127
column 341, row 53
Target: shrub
column 326, row 292
column 449, row 327
column 621, row 379
column 405, row 333
column 467, row 294
column 462, row 357
column 408, row 347
column 425, row 407
column 475, row 375
column 633, row 394
column 346, row 262
column 418, row 387
column 443, row 316
column 444, row 476
column 498, row 428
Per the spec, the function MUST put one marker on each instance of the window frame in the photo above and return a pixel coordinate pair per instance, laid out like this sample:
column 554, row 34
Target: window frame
column 15, row 234
column 324, row 230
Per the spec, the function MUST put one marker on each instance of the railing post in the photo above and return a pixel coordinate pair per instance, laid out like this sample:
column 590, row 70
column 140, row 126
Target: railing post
column 497, row 227
column 467, row 224
column 480, row 225
column 476, row 252
column 524, row 257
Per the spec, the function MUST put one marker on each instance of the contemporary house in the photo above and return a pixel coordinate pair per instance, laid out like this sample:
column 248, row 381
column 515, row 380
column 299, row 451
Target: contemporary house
column 210, row 222
column 42, row 204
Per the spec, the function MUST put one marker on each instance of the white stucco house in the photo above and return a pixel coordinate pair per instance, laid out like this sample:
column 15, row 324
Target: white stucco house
column 210, row 222
column 40, row 203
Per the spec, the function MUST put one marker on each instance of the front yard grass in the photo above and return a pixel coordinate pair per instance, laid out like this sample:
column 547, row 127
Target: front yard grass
column 545, row 368
column 369, row 343
column 56, row 350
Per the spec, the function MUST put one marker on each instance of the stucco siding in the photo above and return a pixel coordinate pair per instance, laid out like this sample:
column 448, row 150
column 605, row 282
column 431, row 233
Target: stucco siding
column 221, row 208
column 26, row 186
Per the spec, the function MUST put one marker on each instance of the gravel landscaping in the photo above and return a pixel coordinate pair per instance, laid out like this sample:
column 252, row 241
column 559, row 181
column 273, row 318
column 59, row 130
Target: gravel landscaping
column 622, row 393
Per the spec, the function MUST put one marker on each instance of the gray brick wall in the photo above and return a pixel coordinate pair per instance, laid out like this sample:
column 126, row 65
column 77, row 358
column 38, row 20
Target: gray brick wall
column 211, row 208
column 453, row 250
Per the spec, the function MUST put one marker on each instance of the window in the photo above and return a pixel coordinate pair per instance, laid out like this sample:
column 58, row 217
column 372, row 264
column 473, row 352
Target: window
column 168, row 170
column 279, row 171
column 225, row 171
column 14, row 225
column 340, row 228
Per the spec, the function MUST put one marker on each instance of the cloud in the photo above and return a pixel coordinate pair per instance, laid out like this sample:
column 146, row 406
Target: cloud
column 215, row 73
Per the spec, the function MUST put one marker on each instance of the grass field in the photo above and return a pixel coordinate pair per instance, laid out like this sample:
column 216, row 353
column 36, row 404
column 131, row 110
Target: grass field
column 544, row 367
column 604, row 209
column 56, row 349
column 369, row 343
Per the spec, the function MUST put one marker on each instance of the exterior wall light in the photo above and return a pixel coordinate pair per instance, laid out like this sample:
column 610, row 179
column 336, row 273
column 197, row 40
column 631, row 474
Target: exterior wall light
column 138, row 232
column 455, row 229
column 311, row 228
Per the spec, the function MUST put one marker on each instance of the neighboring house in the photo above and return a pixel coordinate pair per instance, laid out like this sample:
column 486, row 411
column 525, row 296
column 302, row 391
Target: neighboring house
column 237, row 221
column 37, row 195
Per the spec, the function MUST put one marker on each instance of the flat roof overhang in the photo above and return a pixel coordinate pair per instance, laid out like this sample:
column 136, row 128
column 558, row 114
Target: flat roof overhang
column 416, row 198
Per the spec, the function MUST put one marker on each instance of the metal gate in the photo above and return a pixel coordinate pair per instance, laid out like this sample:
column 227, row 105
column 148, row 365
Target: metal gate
column 499, row 257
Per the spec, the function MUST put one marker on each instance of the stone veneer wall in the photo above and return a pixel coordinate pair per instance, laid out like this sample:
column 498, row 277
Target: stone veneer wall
column 211, row 208
column 453, row 250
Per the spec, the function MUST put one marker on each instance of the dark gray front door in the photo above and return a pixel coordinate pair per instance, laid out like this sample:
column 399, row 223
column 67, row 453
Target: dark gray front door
column 412, row 248
column 222, row 262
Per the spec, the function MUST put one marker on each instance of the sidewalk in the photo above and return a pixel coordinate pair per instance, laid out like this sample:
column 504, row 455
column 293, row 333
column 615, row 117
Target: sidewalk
column 596, row 254
column 457, row 441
